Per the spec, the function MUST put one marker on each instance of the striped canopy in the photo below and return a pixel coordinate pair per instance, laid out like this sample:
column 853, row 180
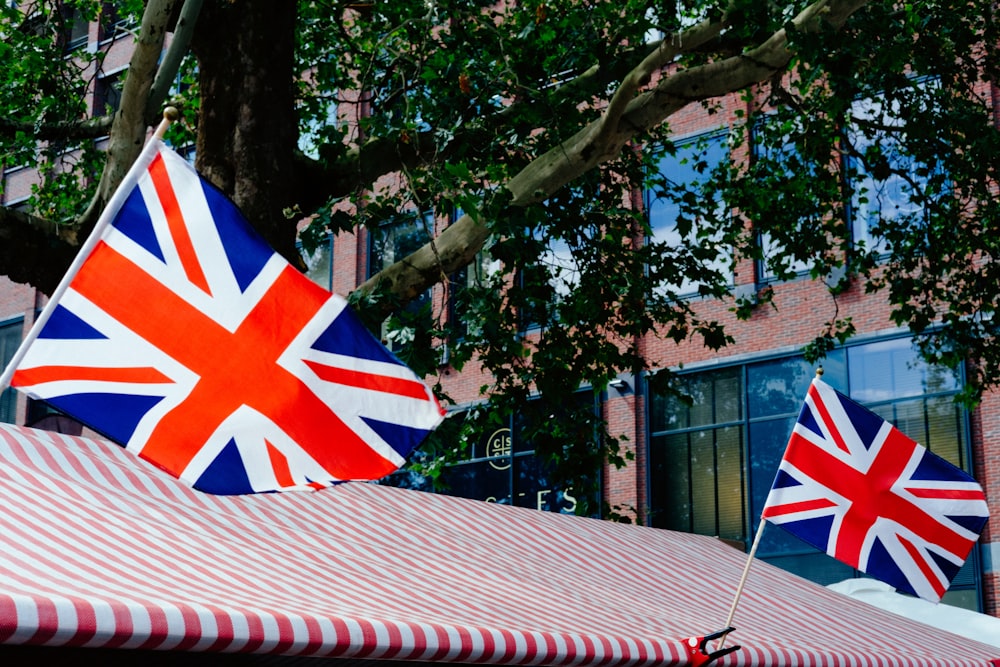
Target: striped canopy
column 102, row 550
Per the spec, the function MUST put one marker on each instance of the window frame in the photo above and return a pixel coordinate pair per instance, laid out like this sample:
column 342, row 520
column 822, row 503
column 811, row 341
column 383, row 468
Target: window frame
column 688, row 289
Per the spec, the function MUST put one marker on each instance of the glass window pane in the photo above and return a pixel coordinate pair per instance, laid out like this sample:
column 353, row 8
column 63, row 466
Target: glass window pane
column 892, row 369
column 729, row 484
column 778, row 387
column 945, row 434
column 716, row 397
column 696, row 483
column 319, row 265
column 816, row 566
column 670, row 483
column 533, row 487
column 690, row 165
column 768, row 440
column 10, row 339
column 478, row 481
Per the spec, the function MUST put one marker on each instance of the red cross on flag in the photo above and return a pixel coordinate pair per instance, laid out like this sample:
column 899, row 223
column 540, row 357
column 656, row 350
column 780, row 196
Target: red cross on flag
column 184, row 337
column 854, row 486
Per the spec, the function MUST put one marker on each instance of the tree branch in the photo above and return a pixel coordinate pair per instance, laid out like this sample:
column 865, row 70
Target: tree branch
column 91, row 128
column 29, row 246
column 128, row 131
column 171, row 63
column 593, row 145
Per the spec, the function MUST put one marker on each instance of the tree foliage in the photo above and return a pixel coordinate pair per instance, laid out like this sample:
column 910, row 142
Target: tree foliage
column 533, row 124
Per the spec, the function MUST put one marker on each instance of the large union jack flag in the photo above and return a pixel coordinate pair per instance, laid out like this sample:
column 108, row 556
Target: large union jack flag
column 184, row 337
column 855, row 487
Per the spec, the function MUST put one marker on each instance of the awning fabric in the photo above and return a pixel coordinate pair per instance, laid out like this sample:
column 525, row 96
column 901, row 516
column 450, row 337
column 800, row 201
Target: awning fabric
column 100, row 549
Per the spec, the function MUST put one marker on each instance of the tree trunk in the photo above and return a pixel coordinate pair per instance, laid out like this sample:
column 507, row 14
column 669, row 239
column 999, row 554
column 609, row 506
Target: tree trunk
column 247, row 131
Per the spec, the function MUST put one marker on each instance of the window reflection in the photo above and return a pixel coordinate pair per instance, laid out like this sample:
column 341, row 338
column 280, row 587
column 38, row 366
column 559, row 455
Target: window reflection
column 712, row 463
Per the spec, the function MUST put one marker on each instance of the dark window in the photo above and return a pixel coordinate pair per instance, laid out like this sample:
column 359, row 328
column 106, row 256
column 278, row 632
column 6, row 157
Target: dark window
column 319, row 264
column 10, row 339
column 76, row 29
column 113, row 23
column 776, row 155
column 499, row 465
column 109, row 94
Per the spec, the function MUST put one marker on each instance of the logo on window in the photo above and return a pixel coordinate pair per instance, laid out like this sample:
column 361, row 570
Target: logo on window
column 498, row 445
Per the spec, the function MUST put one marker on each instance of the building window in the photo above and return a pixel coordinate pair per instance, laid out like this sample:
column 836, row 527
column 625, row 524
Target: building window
column 10, row 339
column 674, row 205
column 886, row 182
column 779, row 157
column 319, row 264
column 113, row 23
column 499, row 464
column 476, row 275
column 108, row 95
column 714, row 454
column 391, row 242
column 398, row 238
column 75, row 29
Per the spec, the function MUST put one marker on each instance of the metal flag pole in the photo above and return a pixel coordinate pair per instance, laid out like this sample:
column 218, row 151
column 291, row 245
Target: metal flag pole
column 170, row 114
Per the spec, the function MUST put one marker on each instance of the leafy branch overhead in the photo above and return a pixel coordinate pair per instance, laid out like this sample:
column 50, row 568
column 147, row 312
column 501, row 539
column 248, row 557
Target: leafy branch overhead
column 535, row 128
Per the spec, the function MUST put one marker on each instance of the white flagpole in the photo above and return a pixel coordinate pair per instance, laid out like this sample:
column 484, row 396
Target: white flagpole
column 743, row 579
column 169, row 115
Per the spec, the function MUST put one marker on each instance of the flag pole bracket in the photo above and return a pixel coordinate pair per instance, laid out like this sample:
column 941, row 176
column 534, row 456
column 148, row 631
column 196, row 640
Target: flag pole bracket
column 697, row 648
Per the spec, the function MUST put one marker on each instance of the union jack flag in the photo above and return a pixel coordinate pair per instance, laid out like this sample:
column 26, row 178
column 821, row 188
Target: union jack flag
column 184, row 337
column 855, row 487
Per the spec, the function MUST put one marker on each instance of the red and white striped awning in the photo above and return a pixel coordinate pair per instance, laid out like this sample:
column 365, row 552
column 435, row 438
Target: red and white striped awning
column 100, row 549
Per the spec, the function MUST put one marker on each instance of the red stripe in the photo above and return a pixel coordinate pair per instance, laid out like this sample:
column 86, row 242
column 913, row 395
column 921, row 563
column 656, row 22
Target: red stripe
column 175, row 222
column 925, row 568
column 41, row 374
column 948, row 494
column 792, row 508
column 279, row 465
column 372, row 381
column 827, row 419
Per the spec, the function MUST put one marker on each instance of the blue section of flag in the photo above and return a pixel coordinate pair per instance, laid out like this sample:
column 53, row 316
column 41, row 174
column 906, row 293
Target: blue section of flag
column 402, row 438
column 134, row 222
column 226, row 475
column 246, row 251
column 112, row 415
column 865, row 423
column 346, row 335
column 66, row 325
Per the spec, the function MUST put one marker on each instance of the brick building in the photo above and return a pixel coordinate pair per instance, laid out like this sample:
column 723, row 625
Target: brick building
column 703, row 468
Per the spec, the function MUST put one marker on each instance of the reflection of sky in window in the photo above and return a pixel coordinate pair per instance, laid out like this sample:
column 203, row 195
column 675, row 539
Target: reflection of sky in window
column 681, row 174
column 769, row 247
column 889, row 198
column 309, row 138
column 893, row 369
column 563, row 270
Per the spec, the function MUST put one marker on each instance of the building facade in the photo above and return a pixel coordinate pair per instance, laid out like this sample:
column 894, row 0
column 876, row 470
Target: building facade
column 704, row 467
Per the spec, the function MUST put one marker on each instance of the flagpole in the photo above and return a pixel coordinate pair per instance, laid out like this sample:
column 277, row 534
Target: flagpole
column 750, row 557
column 743, row 579
column 170, row 114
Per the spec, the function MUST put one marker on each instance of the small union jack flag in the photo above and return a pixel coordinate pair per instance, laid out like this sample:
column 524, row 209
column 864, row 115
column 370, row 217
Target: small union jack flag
column 855, row 487
column 184, row 337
